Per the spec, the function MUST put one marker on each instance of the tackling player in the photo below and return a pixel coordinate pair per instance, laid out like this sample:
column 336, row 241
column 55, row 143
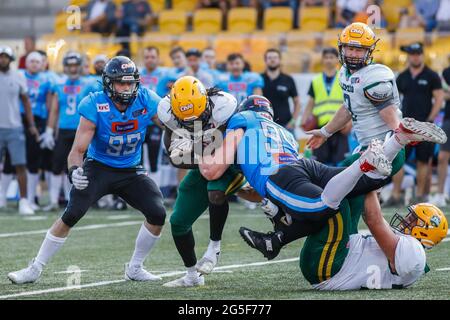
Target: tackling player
column 189, row 104
column 112, row 129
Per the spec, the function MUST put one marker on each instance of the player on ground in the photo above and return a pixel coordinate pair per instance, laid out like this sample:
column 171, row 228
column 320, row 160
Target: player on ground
column 188, row 105
column 112, row 130
column 69, row 90
column 338, row 258
column 302, row 191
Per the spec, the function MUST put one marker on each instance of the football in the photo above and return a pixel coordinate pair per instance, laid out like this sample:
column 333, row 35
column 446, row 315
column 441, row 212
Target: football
column 310, row 124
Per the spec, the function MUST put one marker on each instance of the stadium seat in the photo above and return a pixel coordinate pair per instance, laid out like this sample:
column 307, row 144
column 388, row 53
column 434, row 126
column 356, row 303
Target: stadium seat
column 242, row 20
column 207, row 21
column 330, row 37
column 259, row 42
column 297, row 39
column 184, row 5
column 409, row 35
column 314, row 18
column 172, row 21
column 157, row 5
column 189, row 40
column 80, row 3
column 278, row 19
column 226, row 43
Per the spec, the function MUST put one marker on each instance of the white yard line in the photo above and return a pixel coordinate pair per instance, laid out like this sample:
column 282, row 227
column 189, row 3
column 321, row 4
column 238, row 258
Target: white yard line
column 443, row 269
column 105, row 283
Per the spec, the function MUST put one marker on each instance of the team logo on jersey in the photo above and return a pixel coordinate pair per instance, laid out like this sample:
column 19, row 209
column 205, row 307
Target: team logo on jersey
column 124, row 127
column 103, row 107
column 284, row 158
column 139, row 112
column 435, row 221
column 72, row 89
column 237, row 86
column 355, row 80
column 33, row 84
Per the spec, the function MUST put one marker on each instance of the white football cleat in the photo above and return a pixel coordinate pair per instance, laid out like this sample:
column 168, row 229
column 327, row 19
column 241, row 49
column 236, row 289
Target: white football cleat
column 51, row 207
column 28, row 275
column 411, row 130
column 206, row 264
column 186, row 282
column 139, row 274
column 25, row 208
column 373, row 159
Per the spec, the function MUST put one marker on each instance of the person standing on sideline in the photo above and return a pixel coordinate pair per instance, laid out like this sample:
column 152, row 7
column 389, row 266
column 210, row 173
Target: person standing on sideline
column 14, row 90
column 278, row 88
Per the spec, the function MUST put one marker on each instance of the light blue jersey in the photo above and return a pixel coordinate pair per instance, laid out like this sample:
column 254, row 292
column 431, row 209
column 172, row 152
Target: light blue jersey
column 118, row 137
column 70, row 93
column 95, row 83
column 38, row 87
column 240, row 87
column 150, row 80
column 168, row 79
column 264, row 148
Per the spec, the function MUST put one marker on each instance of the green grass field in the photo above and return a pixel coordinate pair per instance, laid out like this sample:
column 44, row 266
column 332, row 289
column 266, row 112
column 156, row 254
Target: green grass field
column 103, row 241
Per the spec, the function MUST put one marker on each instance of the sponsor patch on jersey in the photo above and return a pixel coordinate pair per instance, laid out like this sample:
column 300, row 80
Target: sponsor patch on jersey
column 355, row 80
column 72, row 89
column 124, row 127
column 139, row 112
column 237, row 86
column 284, row 158
column 103, row 107
column 422, row 82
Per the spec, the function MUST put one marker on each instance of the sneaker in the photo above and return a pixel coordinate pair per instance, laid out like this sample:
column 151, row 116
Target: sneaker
column 373, row 159
column 439, row 200
column 34, row 206
column 51, row 207
column 28, row 275
column 206, row 264
column 269, row 244
column 3, row 202
column 139, row 274
column 411, row 130
column 186, row 282
column 25, row 208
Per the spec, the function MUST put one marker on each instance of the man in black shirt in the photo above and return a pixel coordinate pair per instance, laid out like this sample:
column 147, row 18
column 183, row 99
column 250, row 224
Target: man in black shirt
column 419, row 86
column 444, row 151
column 278, row 88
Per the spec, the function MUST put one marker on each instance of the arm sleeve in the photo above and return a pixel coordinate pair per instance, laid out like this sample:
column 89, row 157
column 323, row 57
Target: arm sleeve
column 87, row 109
column 436, row 82
column 293, row 88
column 380, row 94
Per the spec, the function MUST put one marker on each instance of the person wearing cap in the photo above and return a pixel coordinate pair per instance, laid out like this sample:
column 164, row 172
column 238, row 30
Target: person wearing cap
column 13, row 91
column 194, row 58
column 279, row 88
column 98, row 63
column 422, row 100
column 325, row 98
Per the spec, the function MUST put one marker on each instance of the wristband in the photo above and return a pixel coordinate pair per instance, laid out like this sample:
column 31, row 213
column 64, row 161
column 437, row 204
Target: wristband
column 325, row 132
column 71, row 170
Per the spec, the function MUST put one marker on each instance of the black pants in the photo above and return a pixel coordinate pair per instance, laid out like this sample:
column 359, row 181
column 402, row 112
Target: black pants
column 333, row 150
column 132, row 185
column 62, row 149
column 153, row 140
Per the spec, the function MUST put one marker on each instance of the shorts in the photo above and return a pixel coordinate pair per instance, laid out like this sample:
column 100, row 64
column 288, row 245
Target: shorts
column 14, row 141
column 424, row 151
column 333, row 150
column 446, row 128
column 132, row 185
column 62, row 149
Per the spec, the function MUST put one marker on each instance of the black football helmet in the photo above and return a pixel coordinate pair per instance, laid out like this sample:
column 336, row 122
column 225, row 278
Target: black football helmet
column 256, row 103
column 120, row 69
column 72, row 58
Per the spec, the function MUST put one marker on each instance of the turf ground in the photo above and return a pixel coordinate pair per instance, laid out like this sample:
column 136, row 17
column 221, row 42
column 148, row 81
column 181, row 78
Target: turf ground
column 103, row 241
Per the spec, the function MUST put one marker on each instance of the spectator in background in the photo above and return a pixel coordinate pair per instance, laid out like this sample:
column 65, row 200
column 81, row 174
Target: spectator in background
column 443, row 16
column 193, row 57
column 346, row 11
column 408, row 19
column 209, row 63
column 419, row 86
column 223, row 5
column 30, row 46
column 314, row 3
column 426, row 11
column 12, row 137
column 133, row 17
column 444, row 152
column 100, row 17
column 278, row 88
column 325, row 98
column 178, row 57
column 86, row 67
column 293, row 4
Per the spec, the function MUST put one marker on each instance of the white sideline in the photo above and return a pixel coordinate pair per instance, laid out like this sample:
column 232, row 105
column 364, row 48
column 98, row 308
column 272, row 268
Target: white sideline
column 443, row 269
column 104, row 283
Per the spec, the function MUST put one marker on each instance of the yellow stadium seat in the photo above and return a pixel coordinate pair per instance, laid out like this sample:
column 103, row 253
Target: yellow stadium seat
column 226, row 43
column 314, row 18
column 157, row 5
column 402, row 3
column 278, row 19
column 184, row 5
column 88, row 40
column 172, row 21
column 409, row 35
column 330, row 37
column 207, row 21
column 242, row 20
column 302, row 39
column 189, row 40
column 259, row 42
column 80, row 3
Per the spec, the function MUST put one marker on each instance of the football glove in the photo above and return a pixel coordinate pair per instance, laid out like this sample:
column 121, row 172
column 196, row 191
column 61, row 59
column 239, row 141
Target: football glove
column 180, row 147
column 47, row 141
column 78, row 179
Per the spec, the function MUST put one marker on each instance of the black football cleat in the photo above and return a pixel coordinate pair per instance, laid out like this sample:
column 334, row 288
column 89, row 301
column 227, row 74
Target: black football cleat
column 269, row 244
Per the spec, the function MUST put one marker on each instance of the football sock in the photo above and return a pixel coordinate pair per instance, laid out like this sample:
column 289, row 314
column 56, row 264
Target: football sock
column 185, row 245
column 49, row 247
column 32, row 183
column 192, row 272
column 340, row 185
column 55, row 187
column 392, row 147
column 5, row 182
column 145, row 241
column 217, row 217
column 213, row 248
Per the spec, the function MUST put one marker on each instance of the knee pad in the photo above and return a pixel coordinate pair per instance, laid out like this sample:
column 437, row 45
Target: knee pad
column 217, row 197
column 156, row 215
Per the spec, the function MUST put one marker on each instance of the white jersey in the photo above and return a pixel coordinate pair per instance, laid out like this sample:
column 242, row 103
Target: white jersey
column 366, row 266
column 366, row 92
column 224, row 106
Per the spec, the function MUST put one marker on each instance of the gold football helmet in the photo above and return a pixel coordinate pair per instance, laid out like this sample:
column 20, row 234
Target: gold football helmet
column 425, row 222
column 358, row 35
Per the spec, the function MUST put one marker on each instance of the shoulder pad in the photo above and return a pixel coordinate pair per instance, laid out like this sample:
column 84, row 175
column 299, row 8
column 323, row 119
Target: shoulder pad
column 379, row 91
column 164, row 113
column 377, row 73
column 225, row 106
